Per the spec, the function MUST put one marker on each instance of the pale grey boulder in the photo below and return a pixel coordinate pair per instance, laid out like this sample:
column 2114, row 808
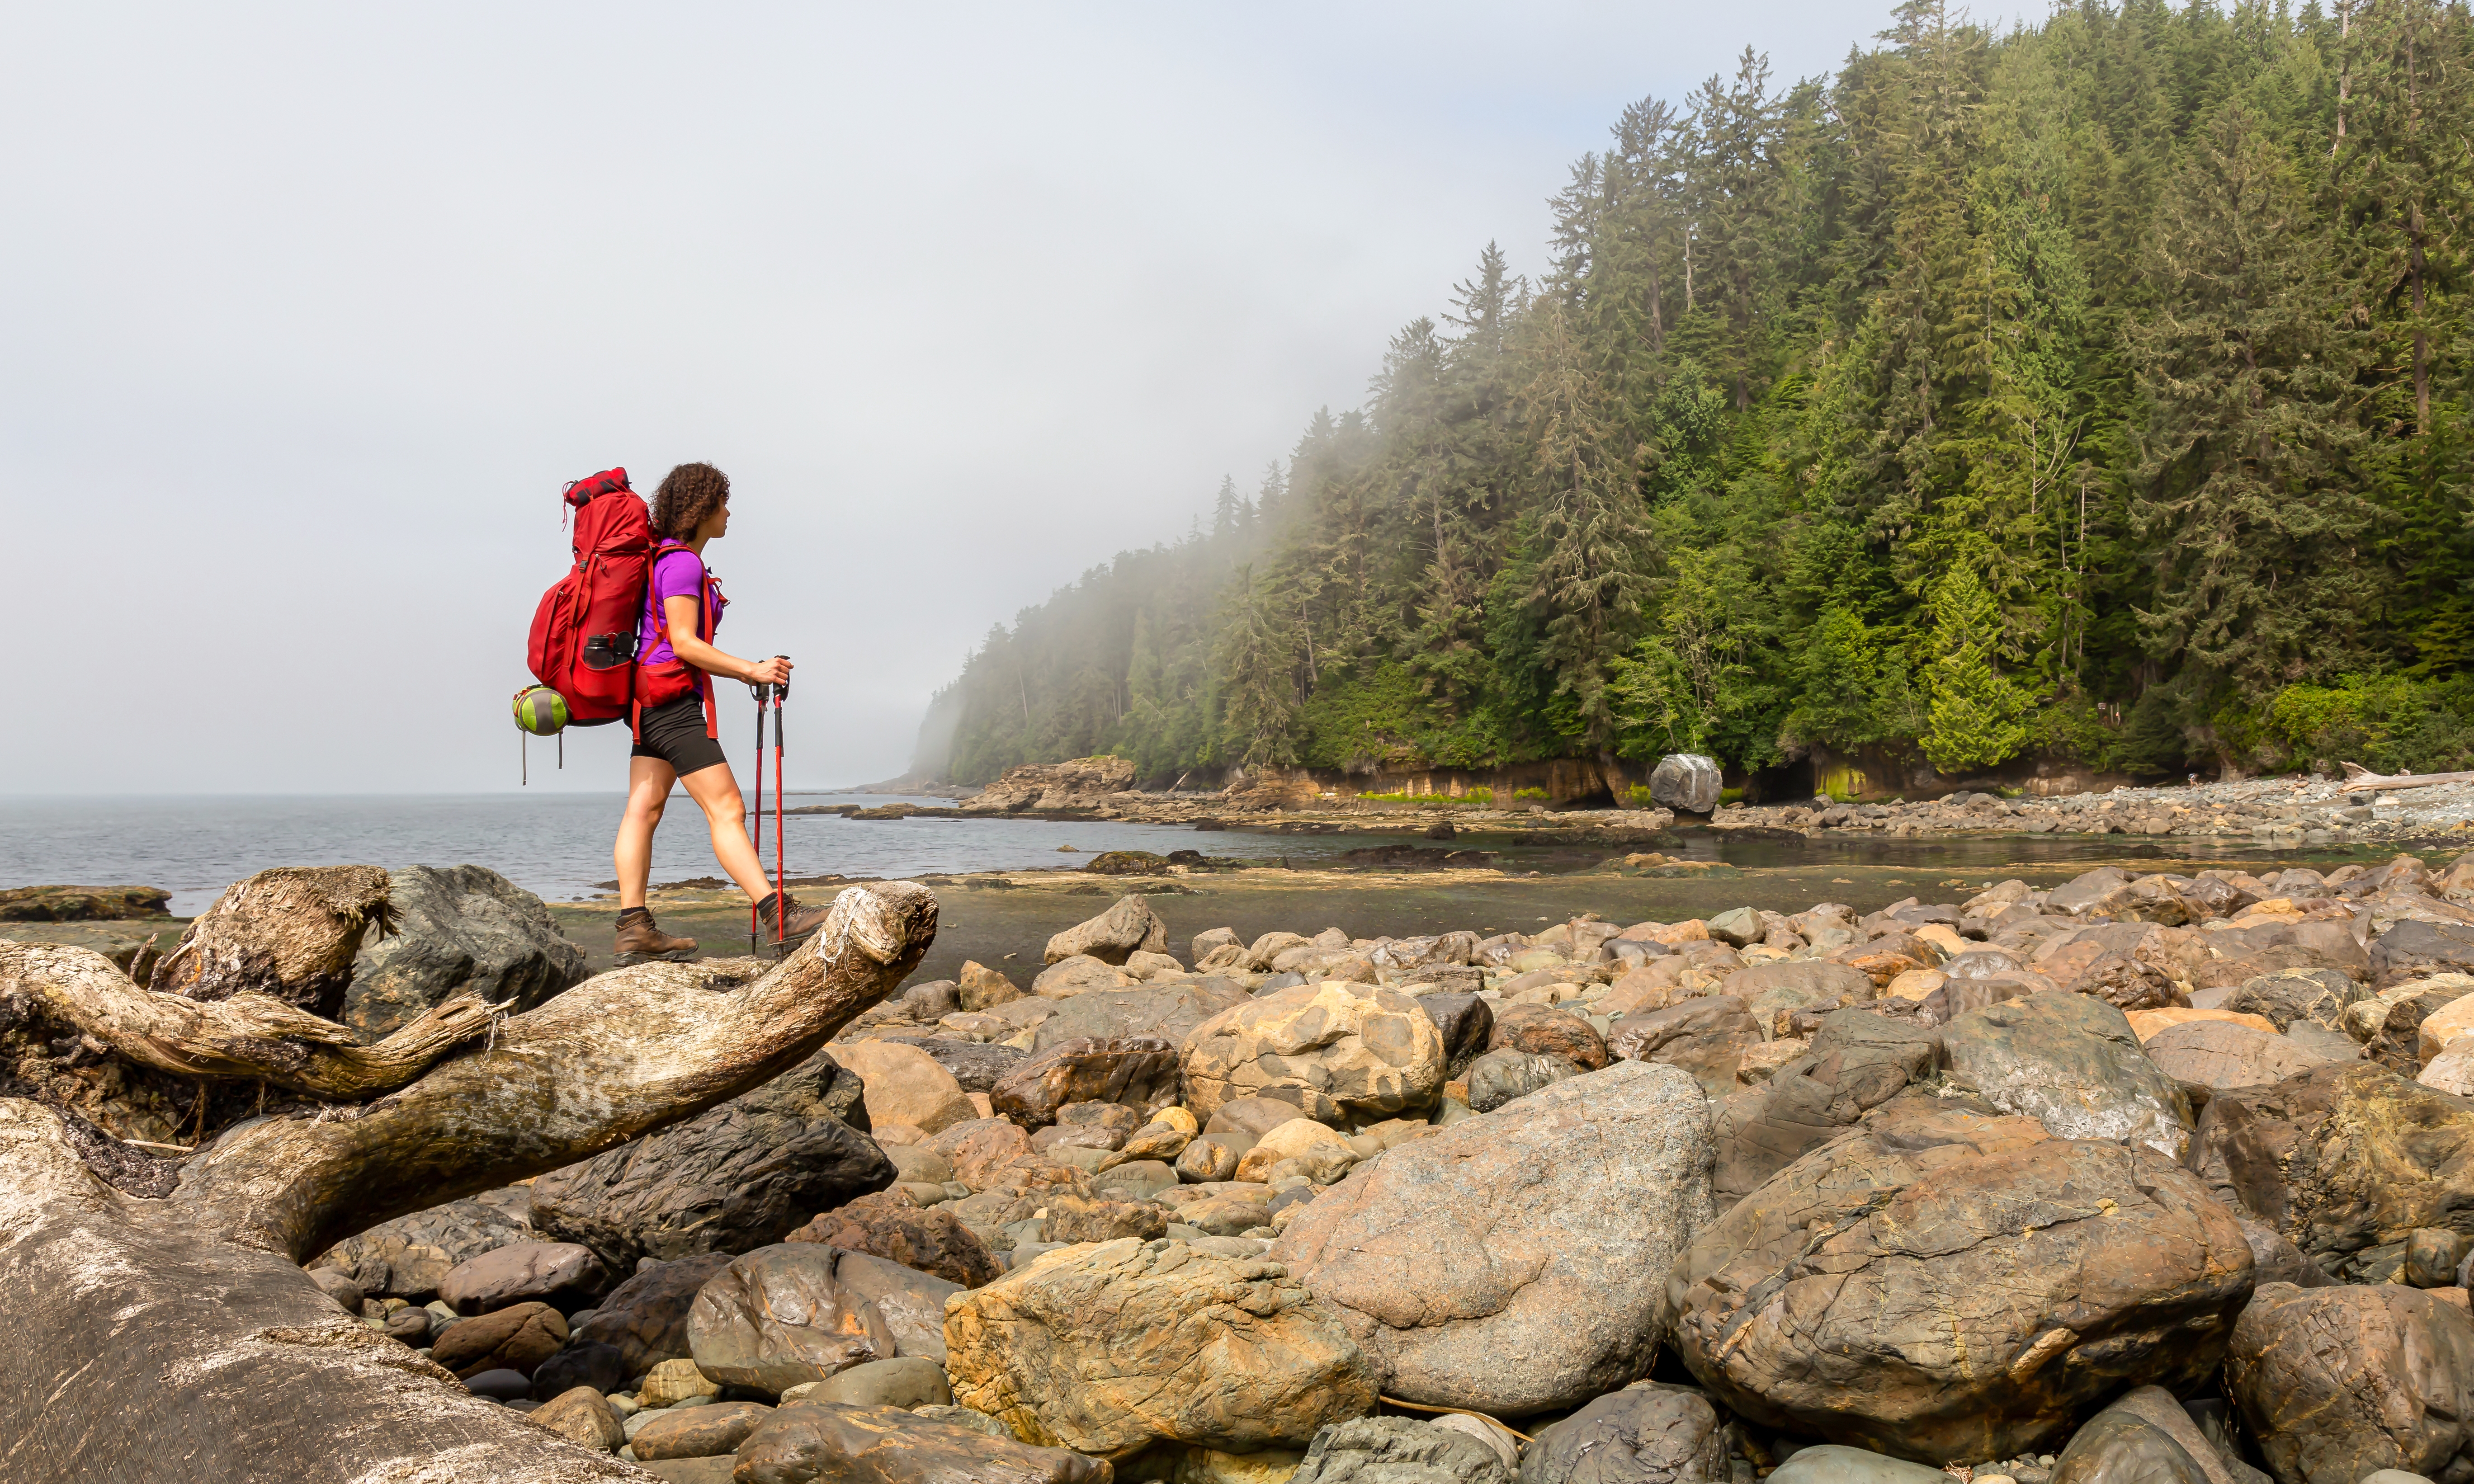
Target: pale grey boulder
column 2072, row 1063
column 1515, row 1261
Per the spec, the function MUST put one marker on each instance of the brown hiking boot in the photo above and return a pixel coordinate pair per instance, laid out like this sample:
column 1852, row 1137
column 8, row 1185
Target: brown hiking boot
column 802, row 925
column 639, row 942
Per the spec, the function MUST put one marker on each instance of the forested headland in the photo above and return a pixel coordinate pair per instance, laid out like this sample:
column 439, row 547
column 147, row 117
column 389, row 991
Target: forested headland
column 2097, row 390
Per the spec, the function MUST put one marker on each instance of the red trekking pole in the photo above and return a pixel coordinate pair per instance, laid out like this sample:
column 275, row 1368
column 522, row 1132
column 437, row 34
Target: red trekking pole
column 781, row 882
column 756, row 824
column 768, row 697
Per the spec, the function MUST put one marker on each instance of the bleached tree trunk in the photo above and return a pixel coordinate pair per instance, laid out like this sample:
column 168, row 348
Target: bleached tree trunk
column 177, row 1339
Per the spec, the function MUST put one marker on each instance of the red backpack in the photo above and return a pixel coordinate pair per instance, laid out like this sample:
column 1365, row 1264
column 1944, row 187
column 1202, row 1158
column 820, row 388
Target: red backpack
column 583, row 642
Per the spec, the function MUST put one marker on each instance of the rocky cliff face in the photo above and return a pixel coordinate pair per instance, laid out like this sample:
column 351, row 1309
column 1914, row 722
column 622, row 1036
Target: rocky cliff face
column 1080, row 784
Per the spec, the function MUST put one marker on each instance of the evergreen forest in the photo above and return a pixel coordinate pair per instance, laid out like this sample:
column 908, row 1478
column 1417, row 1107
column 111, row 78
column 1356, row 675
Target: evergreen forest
column 2095, row 391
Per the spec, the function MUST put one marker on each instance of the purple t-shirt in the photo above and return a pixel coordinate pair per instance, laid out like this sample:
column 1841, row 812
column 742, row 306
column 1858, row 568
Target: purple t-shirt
column 676, row 574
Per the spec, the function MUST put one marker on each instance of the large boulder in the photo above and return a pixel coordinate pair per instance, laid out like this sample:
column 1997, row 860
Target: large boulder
column 733, row 1178
column 1688, row 781
column 893, row 1226
column 409, row 1256
column 1220, row 1353
column 1139, row 1071
column 696, row 1432
column 778, row 1316
column 979, row 1153
column 1646, row 1435
column 1944, row 1285
column 1170, row 1012
column 1396, row 1450
column 812, row 1440
column 906, row 1086
column 2073, row 1063
column 1543, row 1230
column 2337, row 1383
column 461, row 929
column 2346, row 1160
column 645, row 1318
column 1126, row 928
column 1338, row 1050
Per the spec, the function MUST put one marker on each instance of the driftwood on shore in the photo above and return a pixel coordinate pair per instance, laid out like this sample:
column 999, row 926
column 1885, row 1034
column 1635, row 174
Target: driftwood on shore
column 177, row 1339
column 2363, row 780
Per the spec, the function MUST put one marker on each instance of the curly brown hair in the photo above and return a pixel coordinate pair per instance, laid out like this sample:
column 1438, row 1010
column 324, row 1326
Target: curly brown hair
column 688, row 493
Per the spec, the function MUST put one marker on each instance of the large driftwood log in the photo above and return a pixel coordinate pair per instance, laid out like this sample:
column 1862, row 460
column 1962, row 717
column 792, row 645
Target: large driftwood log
column 2360, row 779
column 248, row 1036
column 176, row 1340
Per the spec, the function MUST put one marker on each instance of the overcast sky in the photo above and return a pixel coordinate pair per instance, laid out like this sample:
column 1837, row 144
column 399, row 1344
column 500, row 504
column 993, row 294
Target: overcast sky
column 310, row 311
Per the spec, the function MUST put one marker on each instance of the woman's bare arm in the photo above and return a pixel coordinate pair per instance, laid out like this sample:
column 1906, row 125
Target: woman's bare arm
column 683, row 613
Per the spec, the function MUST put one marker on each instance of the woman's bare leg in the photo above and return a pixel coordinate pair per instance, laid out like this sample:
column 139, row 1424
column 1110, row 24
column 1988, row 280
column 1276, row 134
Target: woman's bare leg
column 648, row 787
column 716, row 791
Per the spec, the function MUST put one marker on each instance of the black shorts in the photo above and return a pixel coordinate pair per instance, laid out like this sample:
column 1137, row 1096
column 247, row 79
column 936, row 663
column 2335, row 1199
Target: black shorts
column 674, row 733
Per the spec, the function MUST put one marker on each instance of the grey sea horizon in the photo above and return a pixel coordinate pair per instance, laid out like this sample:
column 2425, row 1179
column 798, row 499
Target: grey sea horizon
column 555, row 844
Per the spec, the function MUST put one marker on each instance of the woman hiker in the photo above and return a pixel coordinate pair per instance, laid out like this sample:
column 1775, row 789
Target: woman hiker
column 675, row 734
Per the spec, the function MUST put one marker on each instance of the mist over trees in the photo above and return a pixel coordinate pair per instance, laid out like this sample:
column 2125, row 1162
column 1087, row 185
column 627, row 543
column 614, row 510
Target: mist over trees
column 2098, row 390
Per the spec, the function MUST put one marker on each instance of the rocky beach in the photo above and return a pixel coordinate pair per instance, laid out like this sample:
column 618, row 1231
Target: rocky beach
column 1689, row 1173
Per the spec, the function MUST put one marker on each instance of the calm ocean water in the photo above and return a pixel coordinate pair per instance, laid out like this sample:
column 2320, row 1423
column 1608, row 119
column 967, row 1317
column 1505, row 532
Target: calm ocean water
column 557, row 845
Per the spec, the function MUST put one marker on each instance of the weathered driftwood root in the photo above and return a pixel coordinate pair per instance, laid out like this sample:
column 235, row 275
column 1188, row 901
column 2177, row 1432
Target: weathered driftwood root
column 176, row 1340
column 290, row 932
column 248, row 1036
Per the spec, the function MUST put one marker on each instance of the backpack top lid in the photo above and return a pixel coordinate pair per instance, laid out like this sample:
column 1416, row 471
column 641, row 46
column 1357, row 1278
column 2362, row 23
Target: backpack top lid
column 609, row 481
